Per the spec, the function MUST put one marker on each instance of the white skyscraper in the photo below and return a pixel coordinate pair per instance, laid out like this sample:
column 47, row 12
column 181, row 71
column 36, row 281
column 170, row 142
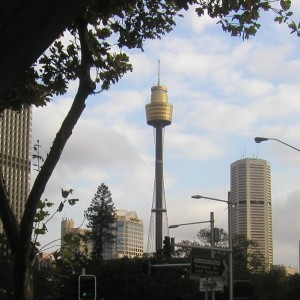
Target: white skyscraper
column 252, row 203
column 15, row 151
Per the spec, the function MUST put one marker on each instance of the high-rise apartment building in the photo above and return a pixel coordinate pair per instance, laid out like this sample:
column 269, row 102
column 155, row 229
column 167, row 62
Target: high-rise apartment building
column 129, row 232
column 15, row 151
column 252, row 203
column 128, row 229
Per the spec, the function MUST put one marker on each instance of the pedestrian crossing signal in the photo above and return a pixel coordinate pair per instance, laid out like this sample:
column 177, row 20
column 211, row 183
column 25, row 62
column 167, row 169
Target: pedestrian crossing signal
column 87, row 287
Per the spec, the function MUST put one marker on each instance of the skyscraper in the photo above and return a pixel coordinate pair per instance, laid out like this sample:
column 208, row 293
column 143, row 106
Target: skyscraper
column 252, row 204
column 15, row 150
column 159, row 114
column 130, row 234
column 128, row 231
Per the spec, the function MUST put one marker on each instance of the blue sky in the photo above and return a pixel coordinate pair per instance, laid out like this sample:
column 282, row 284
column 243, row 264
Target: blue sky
column 225, row 91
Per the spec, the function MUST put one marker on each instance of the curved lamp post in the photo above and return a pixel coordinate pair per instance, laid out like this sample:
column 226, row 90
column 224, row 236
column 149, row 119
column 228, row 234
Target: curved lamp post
column 212, row 241
column 178, row 225
column 229, row 203
column 259, row 139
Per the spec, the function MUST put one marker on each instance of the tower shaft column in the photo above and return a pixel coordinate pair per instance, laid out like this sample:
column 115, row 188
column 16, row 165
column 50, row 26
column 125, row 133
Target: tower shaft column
column 159, row 187
column 159, row 115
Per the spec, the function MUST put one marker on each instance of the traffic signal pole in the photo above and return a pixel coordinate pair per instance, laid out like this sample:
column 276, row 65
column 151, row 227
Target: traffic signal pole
column 87, row 287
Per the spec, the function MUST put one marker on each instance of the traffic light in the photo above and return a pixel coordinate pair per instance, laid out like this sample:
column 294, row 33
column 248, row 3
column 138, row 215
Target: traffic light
column 217, row 235
column 173, row 246
column 87, row 287
column 146, row 267
column 167, row 247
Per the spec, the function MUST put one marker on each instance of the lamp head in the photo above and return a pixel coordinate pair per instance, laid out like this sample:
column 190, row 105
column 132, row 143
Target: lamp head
column 259, row 139
column 173, row 226
column 196, row 197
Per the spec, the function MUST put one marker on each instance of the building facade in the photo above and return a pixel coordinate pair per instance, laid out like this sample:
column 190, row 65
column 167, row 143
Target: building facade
column 15, row 157
column 129, row 232
column 250, row 184
column 74, row 237
column 128, row 229
column 287, row 270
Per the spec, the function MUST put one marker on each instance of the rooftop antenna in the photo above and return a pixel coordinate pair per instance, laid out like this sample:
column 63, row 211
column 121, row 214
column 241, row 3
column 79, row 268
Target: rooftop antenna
column 158, row 72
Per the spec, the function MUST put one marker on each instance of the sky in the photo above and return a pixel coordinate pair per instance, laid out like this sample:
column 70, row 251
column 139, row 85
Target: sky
column 224, row 91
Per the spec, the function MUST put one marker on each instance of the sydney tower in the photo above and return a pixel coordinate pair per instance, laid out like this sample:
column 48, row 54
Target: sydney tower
column 159, row 115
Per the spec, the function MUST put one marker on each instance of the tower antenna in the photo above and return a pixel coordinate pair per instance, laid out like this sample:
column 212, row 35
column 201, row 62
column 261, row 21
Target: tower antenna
column 158, row 73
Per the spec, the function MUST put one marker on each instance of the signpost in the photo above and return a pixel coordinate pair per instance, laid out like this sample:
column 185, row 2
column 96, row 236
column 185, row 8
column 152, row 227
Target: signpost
column 203, row 266
column 212, row 283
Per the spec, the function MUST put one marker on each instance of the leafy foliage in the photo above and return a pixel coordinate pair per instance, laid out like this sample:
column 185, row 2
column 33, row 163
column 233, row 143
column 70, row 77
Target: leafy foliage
column 42, row 216
column 241, row 18
column 6, row 264
column 106, row 28
column 101, row 217
column 246, row 258
column 205, row 237
column 37, row 157
column 112, row 26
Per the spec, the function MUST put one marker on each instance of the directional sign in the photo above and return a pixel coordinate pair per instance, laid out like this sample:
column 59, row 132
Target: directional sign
column 203, row 266
column 212, row 284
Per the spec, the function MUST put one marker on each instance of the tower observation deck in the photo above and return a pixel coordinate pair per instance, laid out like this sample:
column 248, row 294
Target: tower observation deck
column 159, row 114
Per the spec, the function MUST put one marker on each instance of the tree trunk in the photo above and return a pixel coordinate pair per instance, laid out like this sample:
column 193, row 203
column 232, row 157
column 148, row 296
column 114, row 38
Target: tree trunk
column 23, row 280
column 19, row 237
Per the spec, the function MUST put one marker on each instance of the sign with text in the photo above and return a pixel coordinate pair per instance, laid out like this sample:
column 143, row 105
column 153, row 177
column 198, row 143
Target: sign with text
column 212, row 284
column 203, row 266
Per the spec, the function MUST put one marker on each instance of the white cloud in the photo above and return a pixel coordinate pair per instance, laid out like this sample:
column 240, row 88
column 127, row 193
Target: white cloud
column 225, row 92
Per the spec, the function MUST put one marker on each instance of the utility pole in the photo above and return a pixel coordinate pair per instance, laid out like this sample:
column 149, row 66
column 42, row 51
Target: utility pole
column 212, row 243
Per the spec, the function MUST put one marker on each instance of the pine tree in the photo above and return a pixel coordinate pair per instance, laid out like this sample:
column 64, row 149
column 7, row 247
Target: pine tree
column 101, row 216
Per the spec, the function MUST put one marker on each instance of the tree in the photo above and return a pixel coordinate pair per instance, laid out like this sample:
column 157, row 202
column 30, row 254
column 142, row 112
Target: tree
column 6, row 286
column 23, row 41
column 101, row 216
column 271, row 285
column 205, row 237
column 100, row 34
column 246, row 258
column 293, row 287
column 105, row 26
column 239, row 18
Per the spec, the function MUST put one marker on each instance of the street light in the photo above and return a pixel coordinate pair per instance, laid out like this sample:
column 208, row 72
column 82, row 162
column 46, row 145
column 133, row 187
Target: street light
column 178, row 225
column 229, row 203
column 259, row 139
column 211, row 221
column 212, row 242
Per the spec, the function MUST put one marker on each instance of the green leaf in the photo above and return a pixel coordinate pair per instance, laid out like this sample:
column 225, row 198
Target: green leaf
column 285, row 4
column 278, row 19
column 61, row 206
column 65, row 193
column 72, row 201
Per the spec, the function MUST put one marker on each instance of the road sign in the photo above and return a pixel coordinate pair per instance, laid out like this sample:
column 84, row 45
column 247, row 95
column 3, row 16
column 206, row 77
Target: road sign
column 203, row 266
column 212, row 284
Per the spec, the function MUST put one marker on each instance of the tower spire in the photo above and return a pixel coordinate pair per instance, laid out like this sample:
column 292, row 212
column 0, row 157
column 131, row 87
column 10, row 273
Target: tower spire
column 158, row 73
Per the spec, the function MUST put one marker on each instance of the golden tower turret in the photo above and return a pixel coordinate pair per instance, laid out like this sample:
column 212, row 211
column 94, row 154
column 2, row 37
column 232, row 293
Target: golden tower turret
column 159, row 111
